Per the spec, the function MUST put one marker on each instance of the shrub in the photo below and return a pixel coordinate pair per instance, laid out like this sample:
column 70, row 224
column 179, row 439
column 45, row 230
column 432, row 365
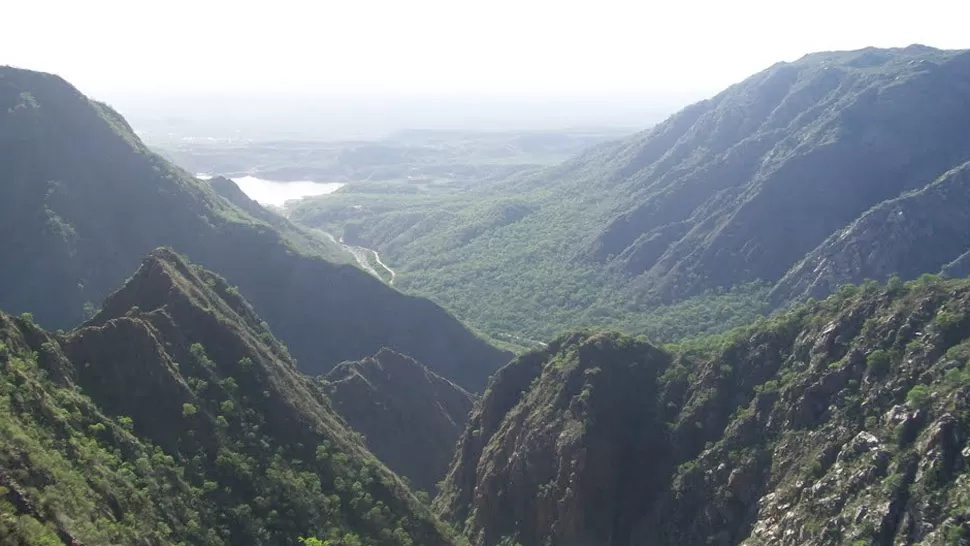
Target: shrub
column 309, row 541
column 895, row 285
column 126, row 423
column 879, row 362
column 918, row 396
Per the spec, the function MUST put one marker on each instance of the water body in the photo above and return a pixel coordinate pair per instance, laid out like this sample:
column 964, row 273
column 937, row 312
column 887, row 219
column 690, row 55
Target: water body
column 278, row 192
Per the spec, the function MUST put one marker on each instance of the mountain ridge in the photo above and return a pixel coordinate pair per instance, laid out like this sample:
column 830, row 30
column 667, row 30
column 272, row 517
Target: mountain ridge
column 83, row 200
column 684, row 229
column 839, row 422
column 410, row 417
column 919, row 232
column 203, row 429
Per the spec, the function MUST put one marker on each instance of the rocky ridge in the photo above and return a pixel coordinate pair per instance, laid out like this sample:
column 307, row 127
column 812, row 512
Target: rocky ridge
column 410, row 417
column 840, row 422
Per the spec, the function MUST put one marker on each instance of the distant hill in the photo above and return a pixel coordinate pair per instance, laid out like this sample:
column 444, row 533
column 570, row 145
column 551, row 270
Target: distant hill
column 410, row 418
column 460, row 157
column 688, row 227
column 175, row 417
column 840, row 422
column 82, row 200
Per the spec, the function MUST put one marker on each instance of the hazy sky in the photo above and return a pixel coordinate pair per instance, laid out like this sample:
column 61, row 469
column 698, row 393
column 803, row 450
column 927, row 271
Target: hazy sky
column 645, row 51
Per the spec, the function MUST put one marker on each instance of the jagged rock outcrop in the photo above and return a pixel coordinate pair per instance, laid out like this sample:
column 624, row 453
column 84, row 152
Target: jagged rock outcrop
column 921, row 232
column 569, row 444
column 411, row 418
column 840, row 422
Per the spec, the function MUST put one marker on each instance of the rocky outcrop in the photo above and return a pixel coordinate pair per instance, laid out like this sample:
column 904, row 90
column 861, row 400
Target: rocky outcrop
column 920, row 232
column 411, row 418
column 558, row 463
column 840, row 422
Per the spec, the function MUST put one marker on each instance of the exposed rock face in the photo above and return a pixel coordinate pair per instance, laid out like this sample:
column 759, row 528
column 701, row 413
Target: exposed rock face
column 556, row 461
column 411, row 418
column 920, row 232
column 841, row 422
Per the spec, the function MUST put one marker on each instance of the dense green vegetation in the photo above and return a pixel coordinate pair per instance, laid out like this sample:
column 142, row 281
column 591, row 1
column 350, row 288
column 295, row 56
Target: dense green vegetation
column 83, row 201
column 842, row 421
column 234, row 447
column 63, row 458
column 174, row 414
column 708, row 210
column 501, row 274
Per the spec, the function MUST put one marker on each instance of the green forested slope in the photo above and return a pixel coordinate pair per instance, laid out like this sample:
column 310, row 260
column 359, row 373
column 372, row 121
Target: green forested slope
column 708, row 210
column 182, row 420
column 82, row 200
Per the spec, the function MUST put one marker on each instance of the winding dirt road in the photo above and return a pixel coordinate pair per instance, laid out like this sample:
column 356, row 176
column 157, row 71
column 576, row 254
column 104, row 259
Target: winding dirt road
column 362, row 255
column 377, row 258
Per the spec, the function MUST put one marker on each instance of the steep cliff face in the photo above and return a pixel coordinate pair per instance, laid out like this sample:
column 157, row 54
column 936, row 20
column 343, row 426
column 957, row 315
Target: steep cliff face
column 555, row 445
column 83, row 200
column 174, row 416
column 840, row 422
column 411, row 418
column 920, row 232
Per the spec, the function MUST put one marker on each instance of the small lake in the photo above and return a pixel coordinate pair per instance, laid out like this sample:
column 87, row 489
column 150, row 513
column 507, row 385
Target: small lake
column 278, row 192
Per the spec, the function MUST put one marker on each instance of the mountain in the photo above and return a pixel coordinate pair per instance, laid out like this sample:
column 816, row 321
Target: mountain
column 743, row 185
column 175, row 417
column 921, row 231
column 552, row 451
column 230, row 191
column 839, row 422
column 411, row 418
column 688, row 227
column 82, row 200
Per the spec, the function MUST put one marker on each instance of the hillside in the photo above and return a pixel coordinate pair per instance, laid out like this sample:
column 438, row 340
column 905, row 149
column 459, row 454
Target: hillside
column 82, row 200
column 175, row 417
column 921, row 231
column 411, row 418
column 840, row 422
column 687, row 227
